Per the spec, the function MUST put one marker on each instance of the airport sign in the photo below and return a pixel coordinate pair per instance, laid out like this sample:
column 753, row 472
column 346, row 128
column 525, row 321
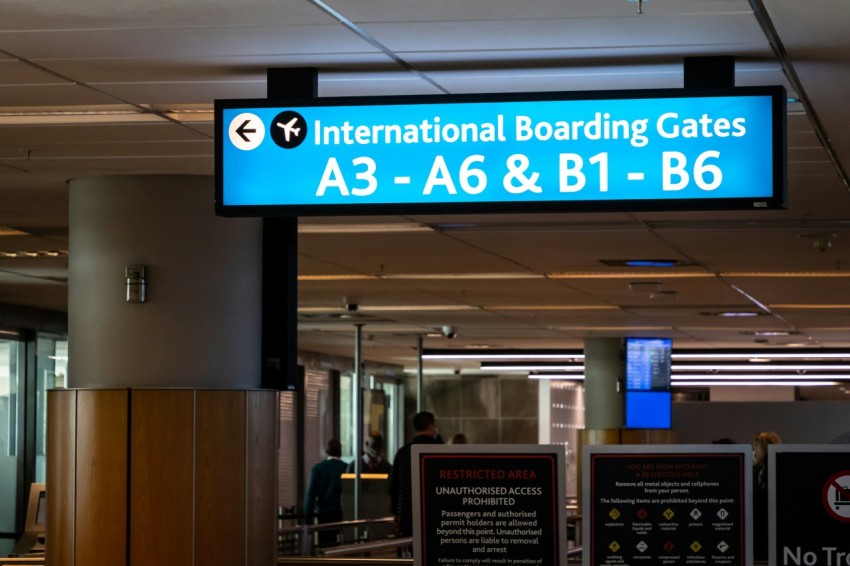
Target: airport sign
column 550, row 152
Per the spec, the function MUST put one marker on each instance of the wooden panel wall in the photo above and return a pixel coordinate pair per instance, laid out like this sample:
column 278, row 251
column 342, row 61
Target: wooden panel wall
column 101, row 506
column 220, row 486
column 61, row 476
column 263, row 423
column 161, row 477
column 149, row 477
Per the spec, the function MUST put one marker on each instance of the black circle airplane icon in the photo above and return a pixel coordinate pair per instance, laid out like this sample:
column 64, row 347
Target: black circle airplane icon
column 288, row 129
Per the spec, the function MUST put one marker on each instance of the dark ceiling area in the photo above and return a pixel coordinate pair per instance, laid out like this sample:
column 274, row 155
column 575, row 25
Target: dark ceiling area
column 115, row 88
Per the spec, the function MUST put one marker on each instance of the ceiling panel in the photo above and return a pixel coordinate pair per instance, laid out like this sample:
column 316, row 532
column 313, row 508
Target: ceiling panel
column 87, row 14
column 110, row 56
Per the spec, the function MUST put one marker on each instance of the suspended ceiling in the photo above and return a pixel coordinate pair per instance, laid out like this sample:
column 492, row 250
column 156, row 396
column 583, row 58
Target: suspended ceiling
column 120, row 87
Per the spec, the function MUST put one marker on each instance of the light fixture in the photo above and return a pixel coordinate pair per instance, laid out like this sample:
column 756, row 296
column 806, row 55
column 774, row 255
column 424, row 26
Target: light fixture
column 767, row 333
column 453, row 276
column 647, row 262
column 337, row 277
column 752, row 383
column 631, row 275
column 374, row 228
column 812, row 354
column 558, row 376
column 541, row 366
column 761, row 364
column 686, row 377
column 513, row 355
column 735, row 314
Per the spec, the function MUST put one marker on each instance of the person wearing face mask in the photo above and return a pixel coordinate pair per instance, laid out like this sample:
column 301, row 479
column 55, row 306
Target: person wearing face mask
column 425, row 431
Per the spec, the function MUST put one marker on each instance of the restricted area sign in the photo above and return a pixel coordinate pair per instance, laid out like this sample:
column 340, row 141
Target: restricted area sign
column 809, row 504
column 666, row 505
column 489, row 505
column 615, row 150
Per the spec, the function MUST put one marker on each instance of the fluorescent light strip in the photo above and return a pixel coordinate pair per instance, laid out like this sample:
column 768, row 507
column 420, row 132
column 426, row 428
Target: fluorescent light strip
column 680, row 378
column 453, row 276
column 803, row 306
column 415, row 308
column 787, row 274
column 484, row 356
column 552, row 308
column 387, row 228
column 542, row 367
column 809, row 355
column 121, row 117
column 337, row 277
column 760, row 367
column 744, row 383
column 612, row 328
column 753, row 383
column 630, row 275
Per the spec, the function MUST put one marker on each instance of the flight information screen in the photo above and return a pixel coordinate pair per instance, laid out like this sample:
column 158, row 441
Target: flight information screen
column 648, row 364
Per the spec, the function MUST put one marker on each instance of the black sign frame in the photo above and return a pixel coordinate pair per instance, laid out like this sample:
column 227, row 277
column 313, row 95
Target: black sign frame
column 496, row 462
column 812, row 469
column 778, row 151
column 736, row 456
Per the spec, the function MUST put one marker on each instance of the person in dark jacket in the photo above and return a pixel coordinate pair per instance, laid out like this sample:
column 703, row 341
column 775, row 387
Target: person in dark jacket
column 324, row 494
column 401, row 488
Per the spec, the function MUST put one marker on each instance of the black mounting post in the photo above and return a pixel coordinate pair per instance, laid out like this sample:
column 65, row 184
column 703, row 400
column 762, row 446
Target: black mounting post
column 280, row 259
column 710, row 72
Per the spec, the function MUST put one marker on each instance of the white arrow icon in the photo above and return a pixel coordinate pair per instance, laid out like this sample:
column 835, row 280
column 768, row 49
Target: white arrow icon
column 246, row 131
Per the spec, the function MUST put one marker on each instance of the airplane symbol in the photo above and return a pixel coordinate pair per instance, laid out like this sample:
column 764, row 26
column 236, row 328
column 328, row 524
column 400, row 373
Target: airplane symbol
column 288, row 128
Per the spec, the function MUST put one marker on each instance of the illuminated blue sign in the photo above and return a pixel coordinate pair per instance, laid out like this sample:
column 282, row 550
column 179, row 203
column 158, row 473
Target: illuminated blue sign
column 642, row 150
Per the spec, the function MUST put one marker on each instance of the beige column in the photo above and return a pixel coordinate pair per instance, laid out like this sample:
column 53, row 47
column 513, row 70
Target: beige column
column 162, row 450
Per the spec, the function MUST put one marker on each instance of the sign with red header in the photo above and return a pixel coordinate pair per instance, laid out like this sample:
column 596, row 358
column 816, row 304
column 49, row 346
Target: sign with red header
column 478, row 505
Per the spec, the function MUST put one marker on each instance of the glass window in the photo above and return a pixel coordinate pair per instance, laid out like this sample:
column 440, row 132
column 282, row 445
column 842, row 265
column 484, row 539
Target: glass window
column 51, row 372
column 10, row 406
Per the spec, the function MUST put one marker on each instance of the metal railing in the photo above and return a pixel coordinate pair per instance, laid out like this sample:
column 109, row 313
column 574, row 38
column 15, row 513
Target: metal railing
column 573, row 557
column 302, row 540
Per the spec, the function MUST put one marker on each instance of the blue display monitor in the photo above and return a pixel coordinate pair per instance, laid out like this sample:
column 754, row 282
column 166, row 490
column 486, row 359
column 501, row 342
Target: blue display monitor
column 648, row 363
column 648, row 409
column 543, row 152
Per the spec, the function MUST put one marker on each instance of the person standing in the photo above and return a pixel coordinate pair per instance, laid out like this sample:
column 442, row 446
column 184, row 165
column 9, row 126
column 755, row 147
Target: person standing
column 760, row 493
column 324, row 494
column 374, row 461
column 401, row 485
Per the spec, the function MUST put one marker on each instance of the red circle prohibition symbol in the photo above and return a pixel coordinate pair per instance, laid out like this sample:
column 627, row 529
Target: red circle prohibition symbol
column 836, row 496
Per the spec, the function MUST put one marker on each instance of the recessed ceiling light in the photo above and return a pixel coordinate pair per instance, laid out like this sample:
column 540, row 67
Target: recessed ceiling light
column 646, row 262
column 733, row 314
column 767, row 333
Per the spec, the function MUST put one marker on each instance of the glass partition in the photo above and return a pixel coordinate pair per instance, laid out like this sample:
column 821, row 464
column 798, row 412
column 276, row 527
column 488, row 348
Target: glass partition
column 10, row 449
